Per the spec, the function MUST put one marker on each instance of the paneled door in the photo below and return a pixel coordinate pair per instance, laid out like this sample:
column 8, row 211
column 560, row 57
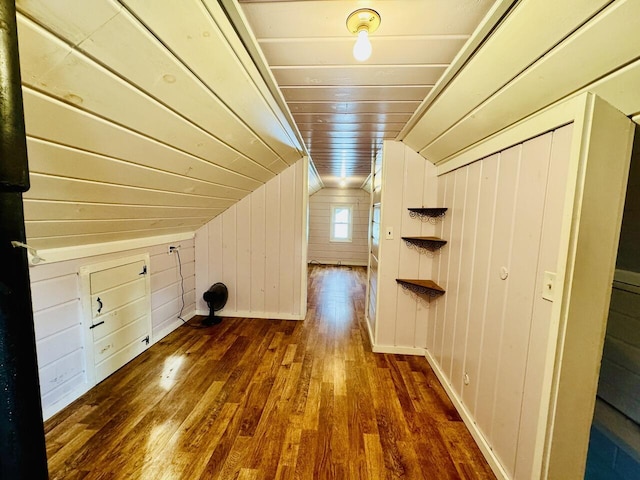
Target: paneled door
column 117, row 313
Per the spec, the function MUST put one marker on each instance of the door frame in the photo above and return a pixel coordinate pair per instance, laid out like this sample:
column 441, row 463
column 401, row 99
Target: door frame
column 85, row 300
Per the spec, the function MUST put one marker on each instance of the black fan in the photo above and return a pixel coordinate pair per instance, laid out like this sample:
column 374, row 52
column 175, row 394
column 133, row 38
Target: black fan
column 216, row 298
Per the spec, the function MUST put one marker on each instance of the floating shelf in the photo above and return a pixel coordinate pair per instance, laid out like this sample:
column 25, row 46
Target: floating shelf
column 427, row 212
column 421, row 287
column 425, row 243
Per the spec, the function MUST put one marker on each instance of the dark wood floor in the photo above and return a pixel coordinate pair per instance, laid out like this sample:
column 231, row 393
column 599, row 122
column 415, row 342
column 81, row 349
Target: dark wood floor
column 265, row 399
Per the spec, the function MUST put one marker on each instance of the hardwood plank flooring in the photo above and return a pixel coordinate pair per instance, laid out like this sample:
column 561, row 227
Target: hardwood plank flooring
column 269, row 399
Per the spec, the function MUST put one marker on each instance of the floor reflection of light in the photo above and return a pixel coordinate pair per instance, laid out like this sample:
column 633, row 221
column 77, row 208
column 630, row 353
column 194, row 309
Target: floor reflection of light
column 154, row 466
column 171, row 366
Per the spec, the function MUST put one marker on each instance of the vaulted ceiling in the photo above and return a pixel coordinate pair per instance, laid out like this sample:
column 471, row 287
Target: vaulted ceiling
column 150, row 118
column 345, row 108
column 143, row 119
column 147, row 118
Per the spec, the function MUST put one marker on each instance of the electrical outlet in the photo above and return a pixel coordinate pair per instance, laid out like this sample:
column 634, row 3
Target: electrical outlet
column 388, row 234
column 548, row 286
column 172, row 248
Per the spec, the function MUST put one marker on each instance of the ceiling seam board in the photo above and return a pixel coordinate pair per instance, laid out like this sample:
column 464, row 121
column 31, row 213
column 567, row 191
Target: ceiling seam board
column 108, row 71
column 316, row 74
column 154, row 176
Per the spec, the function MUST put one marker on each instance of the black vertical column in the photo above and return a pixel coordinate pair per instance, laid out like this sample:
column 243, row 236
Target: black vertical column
column 22, row 446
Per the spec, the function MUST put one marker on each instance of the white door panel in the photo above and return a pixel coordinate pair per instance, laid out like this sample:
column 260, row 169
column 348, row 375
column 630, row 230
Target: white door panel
column 117, row 305
column 119, row 318
column 110, row 300
column 112, row 277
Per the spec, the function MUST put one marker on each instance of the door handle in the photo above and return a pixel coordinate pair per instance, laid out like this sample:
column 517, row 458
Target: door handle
column 99, row 303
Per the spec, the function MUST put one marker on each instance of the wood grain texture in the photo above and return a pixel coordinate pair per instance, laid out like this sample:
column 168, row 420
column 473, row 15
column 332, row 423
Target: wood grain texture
column 269, row 399
column 124, row 110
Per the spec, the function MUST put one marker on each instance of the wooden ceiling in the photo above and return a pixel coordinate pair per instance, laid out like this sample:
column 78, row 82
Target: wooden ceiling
column 343, row 108
column 143, row 119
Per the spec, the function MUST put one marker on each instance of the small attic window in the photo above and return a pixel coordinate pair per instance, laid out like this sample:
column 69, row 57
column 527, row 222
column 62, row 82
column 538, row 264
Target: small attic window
column 341, row 223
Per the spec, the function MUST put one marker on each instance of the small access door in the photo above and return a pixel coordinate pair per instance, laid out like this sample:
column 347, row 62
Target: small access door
column 117, row 300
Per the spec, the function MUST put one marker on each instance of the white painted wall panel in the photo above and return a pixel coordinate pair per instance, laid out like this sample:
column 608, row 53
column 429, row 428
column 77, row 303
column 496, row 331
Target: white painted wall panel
column 272, row 245
column 446, row 192
column 321, row 249
column 59, row 321
column 243, row 254
column 523, row 266
column 229, row 255
column 483, row 248
column 457, row 215
column 541, row 326
column 492, row 324
column 256, row 248
column 402, row 320
column 436, row 310
column 389, row 250
column 465, row 275
column 289, row 270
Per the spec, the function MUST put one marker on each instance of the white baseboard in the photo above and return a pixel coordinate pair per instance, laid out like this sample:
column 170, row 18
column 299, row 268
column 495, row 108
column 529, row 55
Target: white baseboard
column 368, row 322
column 467, row 418
column 397, row 350
column 50, row 410
column 265, row 315
column 166, row 330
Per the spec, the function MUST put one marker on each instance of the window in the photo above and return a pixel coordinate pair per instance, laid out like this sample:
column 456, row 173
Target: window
column 341, row 222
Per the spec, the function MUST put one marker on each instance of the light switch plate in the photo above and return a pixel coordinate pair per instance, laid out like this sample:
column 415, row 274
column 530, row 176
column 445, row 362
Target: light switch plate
column 549, row 286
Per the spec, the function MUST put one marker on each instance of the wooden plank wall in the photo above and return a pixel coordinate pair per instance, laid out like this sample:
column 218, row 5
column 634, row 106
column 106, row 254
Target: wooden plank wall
column 133, row 131
column 321, row 249
column 408, row 181
column 556, row 50
column 374, row 244
column 257, row 248
column 59, row 320
column 628, row 258
column 620, row 371
column 488, row 333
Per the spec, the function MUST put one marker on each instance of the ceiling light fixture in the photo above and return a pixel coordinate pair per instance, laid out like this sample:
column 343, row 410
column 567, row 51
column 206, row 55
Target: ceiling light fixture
column 362, row 22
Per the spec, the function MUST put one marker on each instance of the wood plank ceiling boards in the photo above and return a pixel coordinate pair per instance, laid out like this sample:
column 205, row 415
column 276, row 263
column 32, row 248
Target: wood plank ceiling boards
column 143, row 119
column 151, row 118
column 343, row 108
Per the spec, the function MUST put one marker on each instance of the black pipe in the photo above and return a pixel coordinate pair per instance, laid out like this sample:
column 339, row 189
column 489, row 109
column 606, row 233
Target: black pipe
column 14, row 171
column 22, row 444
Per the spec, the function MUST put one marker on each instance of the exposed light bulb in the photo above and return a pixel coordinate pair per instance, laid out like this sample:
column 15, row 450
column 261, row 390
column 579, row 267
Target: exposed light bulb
column 362, row 48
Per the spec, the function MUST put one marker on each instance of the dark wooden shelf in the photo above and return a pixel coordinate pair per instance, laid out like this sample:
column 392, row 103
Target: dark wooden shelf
column 435, row 212
column 421, row 287
column 426, row 243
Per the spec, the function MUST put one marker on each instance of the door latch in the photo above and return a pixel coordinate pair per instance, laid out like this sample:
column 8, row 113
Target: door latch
column 146, row 339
